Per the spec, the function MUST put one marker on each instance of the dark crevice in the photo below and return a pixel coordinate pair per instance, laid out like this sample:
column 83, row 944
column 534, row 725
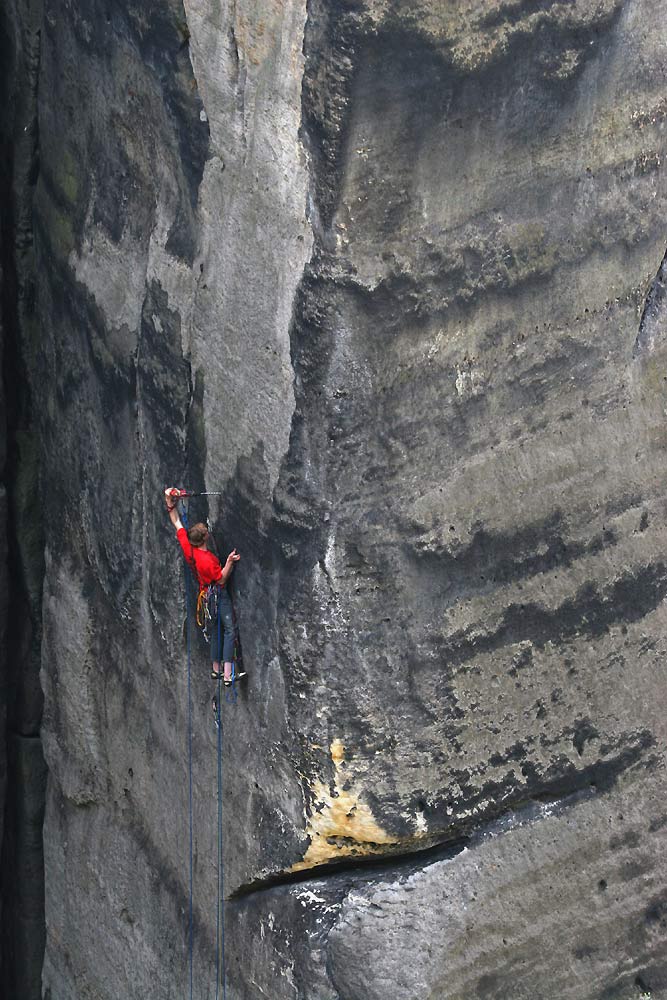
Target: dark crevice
column 22, row 864
column 654, row 316
column 561, row 793
column 397, row 863
column 329, row 50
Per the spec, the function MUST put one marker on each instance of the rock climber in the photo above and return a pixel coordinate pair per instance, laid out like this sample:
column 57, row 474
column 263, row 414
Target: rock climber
column 212, row 577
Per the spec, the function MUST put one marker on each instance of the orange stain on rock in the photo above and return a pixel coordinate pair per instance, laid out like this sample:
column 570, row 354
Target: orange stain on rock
column 340, row 824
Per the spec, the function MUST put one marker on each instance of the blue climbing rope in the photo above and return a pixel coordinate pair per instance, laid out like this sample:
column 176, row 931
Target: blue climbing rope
column 220, row 938
column 220, row 921
column 217, row 907
column 221, row 868
column 220, row 976
column 188, row 627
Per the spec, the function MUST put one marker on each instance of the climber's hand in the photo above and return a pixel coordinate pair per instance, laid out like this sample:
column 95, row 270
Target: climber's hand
column 171, row 495
column 233, row 557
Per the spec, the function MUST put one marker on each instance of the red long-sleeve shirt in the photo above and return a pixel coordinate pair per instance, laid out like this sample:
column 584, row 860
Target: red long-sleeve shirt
column 207, row 565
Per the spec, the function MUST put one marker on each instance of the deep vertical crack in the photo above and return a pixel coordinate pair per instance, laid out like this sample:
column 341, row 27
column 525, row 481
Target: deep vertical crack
column 23, row 923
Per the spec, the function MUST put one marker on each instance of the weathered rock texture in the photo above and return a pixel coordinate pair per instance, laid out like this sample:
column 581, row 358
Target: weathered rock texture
column 391, row 275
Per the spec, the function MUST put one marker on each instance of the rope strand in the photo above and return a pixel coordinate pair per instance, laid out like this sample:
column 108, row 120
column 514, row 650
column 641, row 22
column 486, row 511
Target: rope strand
column 220, row 976
column 189, row 658
column 219, row 914
column 221, row 867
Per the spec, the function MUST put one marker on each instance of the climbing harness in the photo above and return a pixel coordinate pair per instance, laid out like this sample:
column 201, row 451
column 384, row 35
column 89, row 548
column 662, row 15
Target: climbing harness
column 220, row 975
column 202, row 607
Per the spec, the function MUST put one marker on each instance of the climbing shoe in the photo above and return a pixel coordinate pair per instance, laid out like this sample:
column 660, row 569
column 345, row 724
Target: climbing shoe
column 216, row 675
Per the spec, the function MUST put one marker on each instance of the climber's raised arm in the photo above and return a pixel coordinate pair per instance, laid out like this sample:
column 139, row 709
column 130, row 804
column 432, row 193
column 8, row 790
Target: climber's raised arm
column 171, row 496
column 232, row 558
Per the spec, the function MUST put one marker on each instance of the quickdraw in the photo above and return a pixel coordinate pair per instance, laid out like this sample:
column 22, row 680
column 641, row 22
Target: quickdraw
column 203, row 615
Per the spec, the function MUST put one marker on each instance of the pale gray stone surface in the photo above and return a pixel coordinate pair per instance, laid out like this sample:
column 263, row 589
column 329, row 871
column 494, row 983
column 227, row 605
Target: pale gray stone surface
column 563, row 899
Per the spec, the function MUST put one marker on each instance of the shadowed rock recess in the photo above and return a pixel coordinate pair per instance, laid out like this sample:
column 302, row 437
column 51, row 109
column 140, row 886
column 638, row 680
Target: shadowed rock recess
column 22, row 926
column 390, row 275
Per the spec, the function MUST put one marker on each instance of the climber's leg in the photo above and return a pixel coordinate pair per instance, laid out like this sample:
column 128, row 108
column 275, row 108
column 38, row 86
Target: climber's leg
column 227, row 628
column 215, row 633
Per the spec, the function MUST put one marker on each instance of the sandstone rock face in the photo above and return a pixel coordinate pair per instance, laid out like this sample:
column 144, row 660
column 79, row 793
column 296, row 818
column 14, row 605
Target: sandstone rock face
column 391, row 276
column 527, row 908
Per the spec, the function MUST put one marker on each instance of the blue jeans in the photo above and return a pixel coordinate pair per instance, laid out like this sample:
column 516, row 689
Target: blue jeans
column 222, row 629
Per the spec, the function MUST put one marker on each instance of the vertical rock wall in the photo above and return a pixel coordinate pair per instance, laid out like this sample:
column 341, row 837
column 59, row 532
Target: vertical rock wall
column 391, row 277
column 21, row 547
column 171, row 219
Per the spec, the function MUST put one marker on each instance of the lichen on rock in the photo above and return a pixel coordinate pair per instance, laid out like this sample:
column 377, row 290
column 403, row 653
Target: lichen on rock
column 340, row 824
